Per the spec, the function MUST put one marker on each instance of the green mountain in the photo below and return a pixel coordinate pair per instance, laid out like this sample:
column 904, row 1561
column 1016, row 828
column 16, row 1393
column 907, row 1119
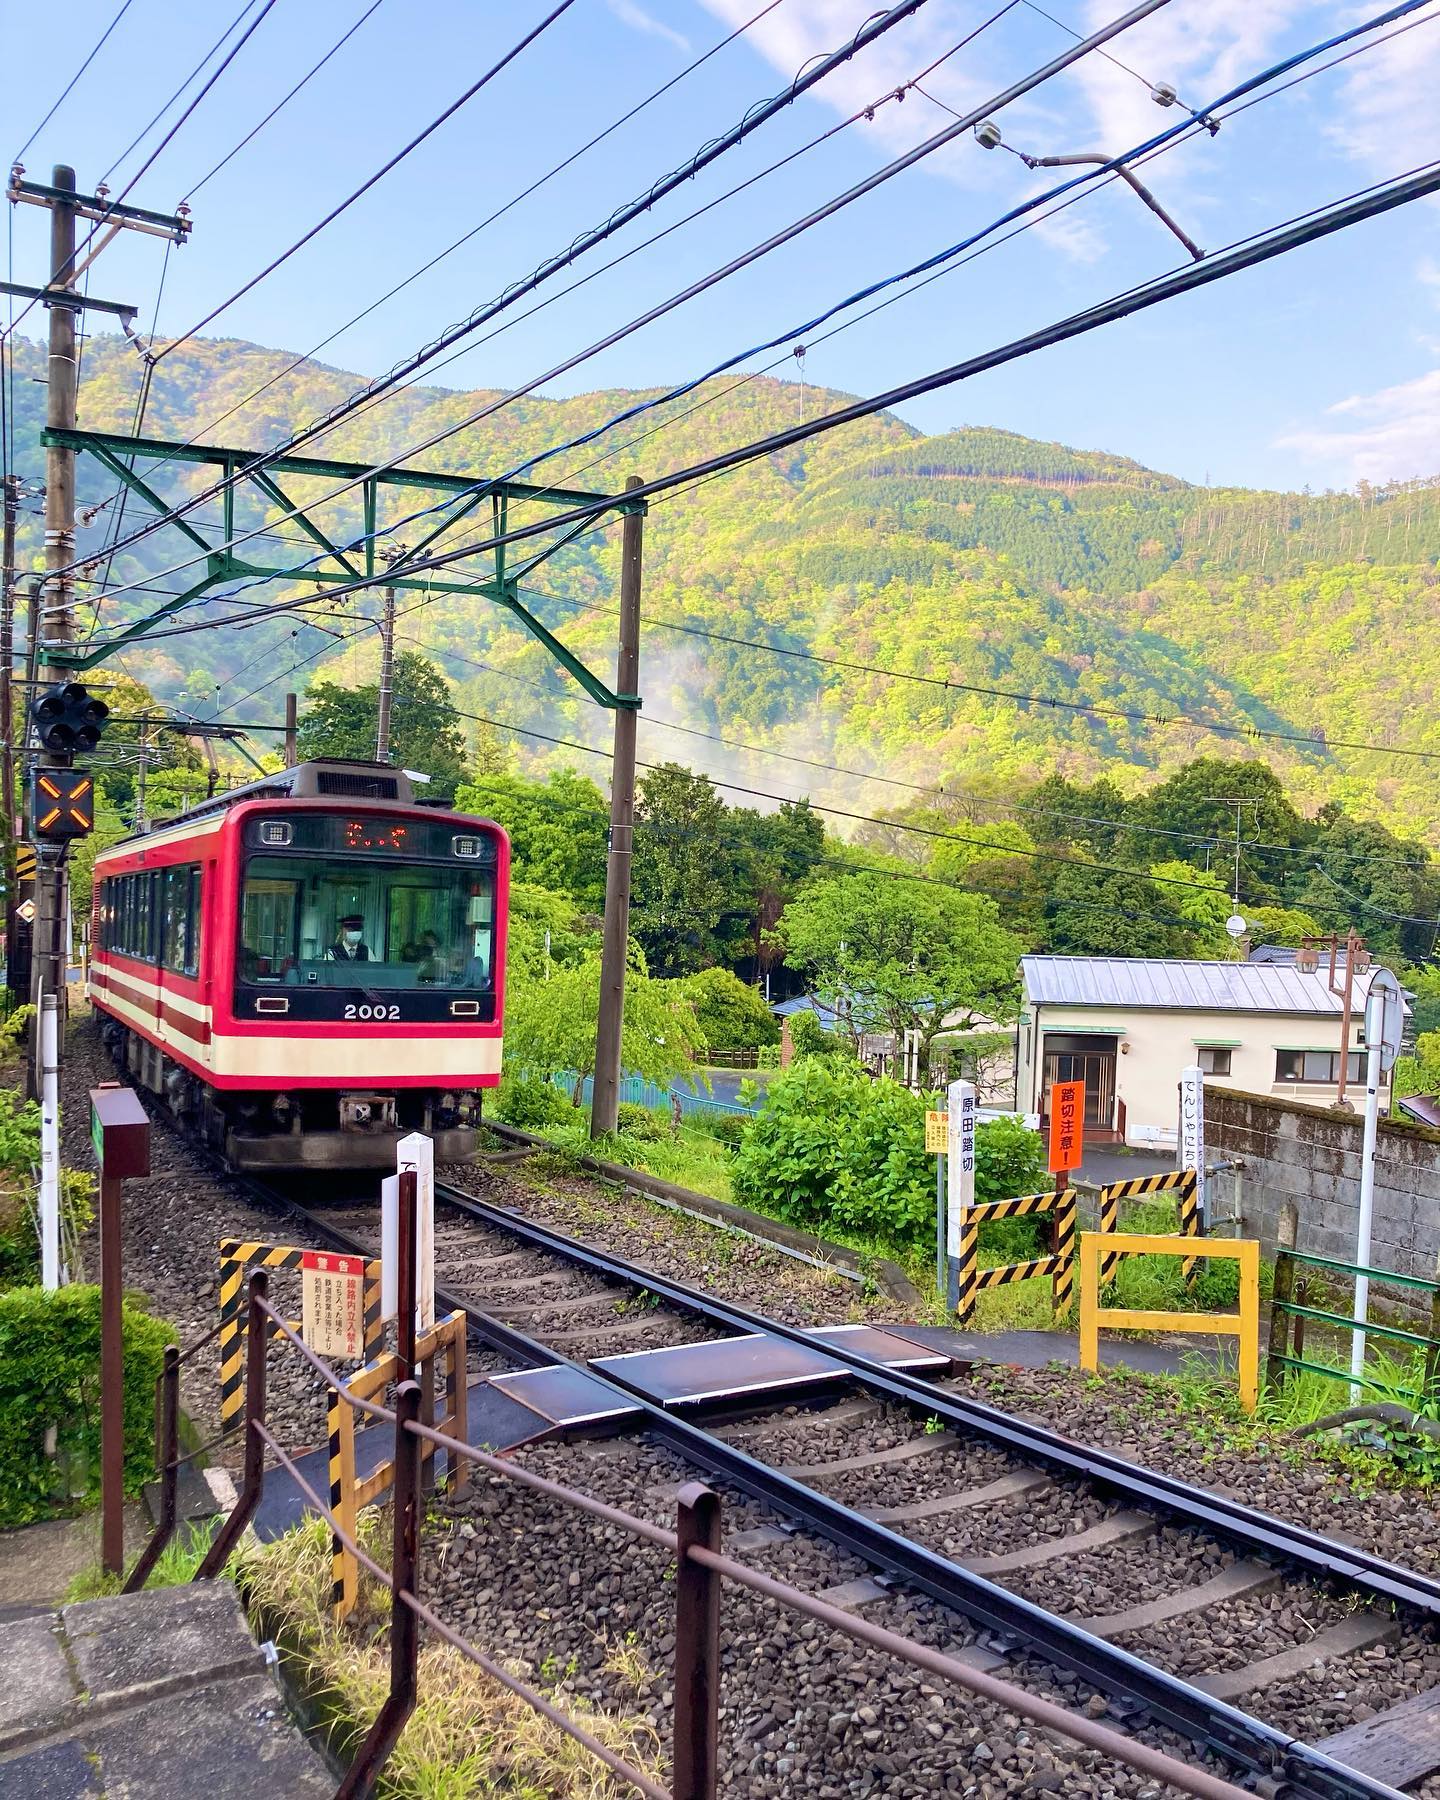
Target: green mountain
column 976, row 558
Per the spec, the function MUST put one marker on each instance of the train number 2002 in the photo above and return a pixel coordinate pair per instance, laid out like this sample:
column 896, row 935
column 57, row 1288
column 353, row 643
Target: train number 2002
column 372, row 1012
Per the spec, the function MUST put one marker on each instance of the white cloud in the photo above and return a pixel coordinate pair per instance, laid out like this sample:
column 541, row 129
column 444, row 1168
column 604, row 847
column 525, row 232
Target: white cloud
column 639, row 20
column 1395, row 435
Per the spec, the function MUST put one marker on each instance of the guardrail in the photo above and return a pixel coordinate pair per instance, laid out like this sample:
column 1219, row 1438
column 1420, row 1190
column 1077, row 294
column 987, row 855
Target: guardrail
column 1290, row 1313
column 701, row 1569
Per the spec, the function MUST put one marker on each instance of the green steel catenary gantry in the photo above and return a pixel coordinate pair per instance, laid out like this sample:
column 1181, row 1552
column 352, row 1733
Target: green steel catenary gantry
column 118, row 454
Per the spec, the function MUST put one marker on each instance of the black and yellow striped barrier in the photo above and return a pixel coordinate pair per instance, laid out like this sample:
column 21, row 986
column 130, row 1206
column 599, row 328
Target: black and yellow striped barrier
column 1183, row 1183
column 972, row 1280
column 349, row 1494
column 236, row 1256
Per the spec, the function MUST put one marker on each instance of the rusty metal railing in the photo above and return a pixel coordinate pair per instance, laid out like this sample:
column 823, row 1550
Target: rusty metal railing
column 702, row 1568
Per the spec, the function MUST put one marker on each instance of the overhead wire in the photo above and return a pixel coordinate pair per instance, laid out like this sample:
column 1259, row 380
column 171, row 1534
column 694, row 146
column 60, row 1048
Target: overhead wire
column 1150, row 146
column 424, row 268
column 282, row 103
column 165, row 141
column 70, row 85
column 517, row 49
column 757, row 115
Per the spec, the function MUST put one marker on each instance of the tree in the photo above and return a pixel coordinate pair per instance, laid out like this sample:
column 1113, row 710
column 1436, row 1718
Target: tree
column 896, row 954
column 557, row 830
column 679, row 892
column 550, row 1025
column 1099, row 912
column 1191, row 802
column 731, row 1014
column 426, row 731
column 534, row 912
column 1203, row 906
column 772, row 854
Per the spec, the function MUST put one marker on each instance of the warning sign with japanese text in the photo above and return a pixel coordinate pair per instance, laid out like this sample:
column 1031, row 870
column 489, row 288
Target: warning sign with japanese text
column 937, row 1133
column 333, row 1303
column 1067, row 1126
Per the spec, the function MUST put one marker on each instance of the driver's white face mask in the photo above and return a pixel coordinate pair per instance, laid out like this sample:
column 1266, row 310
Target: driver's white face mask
column 352, row 937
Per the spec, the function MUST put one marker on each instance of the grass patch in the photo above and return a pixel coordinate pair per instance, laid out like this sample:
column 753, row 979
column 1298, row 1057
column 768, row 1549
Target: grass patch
column 469, row 1738
column 175, row 1566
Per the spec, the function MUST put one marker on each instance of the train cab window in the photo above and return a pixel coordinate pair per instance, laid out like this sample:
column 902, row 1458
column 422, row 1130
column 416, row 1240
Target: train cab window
column 352, row 921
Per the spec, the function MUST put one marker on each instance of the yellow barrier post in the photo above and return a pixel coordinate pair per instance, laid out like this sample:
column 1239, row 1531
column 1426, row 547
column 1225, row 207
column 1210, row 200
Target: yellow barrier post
column 1244, row 1325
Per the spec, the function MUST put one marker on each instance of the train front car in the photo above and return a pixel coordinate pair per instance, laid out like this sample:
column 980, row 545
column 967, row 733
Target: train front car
column 309, row 968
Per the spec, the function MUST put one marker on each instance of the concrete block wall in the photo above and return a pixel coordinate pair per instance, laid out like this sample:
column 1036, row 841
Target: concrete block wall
column 1311, row 1155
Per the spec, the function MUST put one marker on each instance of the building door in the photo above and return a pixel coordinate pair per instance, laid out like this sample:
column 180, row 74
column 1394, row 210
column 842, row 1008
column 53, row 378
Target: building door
column 1087, row 1058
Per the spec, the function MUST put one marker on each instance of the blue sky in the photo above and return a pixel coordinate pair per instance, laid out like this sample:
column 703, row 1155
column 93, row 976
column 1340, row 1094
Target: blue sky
column 1321, row 369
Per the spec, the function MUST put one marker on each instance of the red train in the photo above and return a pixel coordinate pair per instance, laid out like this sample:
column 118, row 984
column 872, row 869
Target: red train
column 309, row 967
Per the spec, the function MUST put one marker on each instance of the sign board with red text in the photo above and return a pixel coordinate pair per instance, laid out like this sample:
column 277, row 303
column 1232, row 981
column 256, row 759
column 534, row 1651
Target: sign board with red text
column 333, row 1303
column 1067, row 1126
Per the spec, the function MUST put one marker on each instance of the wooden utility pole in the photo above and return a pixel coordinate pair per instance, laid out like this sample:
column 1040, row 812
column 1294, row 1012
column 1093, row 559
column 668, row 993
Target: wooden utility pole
column 292, row 753
column 605, row 1102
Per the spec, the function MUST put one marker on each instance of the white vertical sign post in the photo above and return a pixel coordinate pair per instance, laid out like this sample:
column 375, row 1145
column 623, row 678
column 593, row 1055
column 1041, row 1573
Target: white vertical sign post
column 389, row 1246
column 417, row 1152
column 1190, row 1145
column 960, row 1170
column 1384, row 1021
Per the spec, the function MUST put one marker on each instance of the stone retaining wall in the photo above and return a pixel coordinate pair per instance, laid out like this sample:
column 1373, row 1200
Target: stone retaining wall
column 1311, row 1155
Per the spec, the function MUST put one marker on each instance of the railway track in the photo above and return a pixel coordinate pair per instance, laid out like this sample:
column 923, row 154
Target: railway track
column 1188, row 1611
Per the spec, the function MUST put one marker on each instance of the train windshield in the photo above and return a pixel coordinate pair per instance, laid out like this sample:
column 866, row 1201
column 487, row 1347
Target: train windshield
column 344, row 921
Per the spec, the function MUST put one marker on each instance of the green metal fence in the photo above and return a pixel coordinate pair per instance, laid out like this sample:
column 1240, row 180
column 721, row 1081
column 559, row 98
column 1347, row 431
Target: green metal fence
column 1290, row 1313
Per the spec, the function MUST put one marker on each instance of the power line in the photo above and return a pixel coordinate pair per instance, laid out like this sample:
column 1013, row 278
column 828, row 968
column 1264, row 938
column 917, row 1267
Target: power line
column 624, row 214
column 69, row 87
column 279, row 105
column 475, row 230
column 563, row 6
column 1199, row 276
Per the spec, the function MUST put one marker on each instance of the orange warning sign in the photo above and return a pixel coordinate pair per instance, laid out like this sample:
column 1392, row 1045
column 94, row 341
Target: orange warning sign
column 333, row 1303
column 1067, row 1126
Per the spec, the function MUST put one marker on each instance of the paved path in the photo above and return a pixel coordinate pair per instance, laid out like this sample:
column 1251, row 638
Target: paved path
column 162, row 1695
column 1102, row 1166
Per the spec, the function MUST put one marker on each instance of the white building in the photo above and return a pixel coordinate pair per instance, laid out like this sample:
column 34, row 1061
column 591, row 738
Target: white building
column 1127, row 1026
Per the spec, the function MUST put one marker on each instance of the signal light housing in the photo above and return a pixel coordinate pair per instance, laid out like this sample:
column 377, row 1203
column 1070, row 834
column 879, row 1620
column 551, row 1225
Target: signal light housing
column 68, row 718
column 62, row 803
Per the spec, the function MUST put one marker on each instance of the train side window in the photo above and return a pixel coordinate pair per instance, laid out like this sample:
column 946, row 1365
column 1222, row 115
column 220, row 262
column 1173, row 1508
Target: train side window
column 125, row 913
column 145, row 909
column 192, row 942
column 174, row 917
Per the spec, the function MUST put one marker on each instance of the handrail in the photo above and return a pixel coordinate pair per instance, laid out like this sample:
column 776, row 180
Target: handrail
column 1297, row 1311
column 1383, row 1276
column 695, row 1546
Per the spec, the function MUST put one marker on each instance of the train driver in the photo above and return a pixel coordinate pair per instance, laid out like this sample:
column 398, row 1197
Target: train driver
column 350, row 945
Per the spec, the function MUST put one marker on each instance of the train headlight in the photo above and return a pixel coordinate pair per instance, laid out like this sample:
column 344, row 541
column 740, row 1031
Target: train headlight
column 468, row 847
column 275, row 831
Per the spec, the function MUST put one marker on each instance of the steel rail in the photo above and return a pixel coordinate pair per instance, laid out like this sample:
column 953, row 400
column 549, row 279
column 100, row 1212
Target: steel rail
column 1255, row 1530
column 1257, row 1748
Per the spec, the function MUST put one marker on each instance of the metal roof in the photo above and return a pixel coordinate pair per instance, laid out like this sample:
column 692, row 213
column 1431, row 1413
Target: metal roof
column 1180, row 984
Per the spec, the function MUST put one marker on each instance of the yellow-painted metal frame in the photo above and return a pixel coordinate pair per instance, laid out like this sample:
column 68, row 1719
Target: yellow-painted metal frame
column 1244, row 1325
column 347, row 1494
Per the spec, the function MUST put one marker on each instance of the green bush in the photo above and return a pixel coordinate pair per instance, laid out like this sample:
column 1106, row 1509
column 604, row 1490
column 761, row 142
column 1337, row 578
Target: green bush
column 15, row 1027
column 834, row 1148
column 640, row 1122
column 530, row 1103
column 731, row 1014
column 729, row 1128
column 50, row 1376
column 810, row 1038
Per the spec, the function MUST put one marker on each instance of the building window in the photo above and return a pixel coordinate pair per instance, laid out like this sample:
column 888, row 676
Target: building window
column 1318, row 1068
column 1214, row 1059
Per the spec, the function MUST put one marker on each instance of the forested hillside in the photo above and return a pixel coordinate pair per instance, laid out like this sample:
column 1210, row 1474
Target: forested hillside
column 976, row 559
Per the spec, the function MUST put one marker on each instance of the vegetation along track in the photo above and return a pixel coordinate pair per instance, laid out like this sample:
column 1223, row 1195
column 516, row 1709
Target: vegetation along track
column 1175, row 1604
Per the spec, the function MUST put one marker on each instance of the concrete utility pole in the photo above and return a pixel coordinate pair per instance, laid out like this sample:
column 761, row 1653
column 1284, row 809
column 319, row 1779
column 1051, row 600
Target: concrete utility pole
column 292, row 713
column 53, row 619
column 7, row 712
column 387, row 663
column 57, row 619
column 605, row 1102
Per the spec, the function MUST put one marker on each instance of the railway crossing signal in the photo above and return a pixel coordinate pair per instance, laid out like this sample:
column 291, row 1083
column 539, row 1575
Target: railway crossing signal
column 68, row 718
column 63, row 802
